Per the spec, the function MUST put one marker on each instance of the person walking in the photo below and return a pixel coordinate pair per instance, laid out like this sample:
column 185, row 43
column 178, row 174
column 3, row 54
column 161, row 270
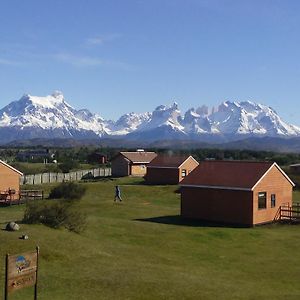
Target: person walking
column 118, row 194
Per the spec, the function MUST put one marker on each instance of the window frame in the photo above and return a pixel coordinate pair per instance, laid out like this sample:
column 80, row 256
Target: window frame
column 184, row 173
column 259, row 197
column 273, row 200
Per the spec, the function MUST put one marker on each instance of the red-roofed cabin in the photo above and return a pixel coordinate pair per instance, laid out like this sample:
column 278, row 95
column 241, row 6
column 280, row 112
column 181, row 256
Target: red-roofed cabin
column 9, row 182
column 169, row 169
column 237, row 192
column 131, row 163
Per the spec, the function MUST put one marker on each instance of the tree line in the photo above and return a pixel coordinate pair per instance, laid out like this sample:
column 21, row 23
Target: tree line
column 69, row 158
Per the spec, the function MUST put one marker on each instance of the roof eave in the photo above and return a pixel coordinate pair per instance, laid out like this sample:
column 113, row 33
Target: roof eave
column 12, row 168
column 280, row 170
column 187, row 159
column 216, row 187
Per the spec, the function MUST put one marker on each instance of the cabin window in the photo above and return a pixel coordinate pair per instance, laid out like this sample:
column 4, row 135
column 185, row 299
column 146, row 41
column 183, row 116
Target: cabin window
column 273, row 200
column 262, row 200
column 183, row 173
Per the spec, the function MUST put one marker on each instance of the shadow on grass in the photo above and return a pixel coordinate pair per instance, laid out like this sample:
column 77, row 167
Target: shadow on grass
column 98, row 179
column 180, row 221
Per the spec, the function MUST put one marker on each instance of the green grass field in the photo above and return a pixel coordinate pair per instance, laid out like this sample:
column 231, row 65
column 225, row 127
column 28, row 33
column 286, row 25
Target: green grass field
column 36, row 168
column 140, row 249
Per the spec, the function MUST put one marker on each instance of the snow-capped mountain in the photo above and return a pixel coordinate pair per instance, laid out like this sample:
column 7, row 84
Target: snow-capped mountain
column 49, row 116
column 238, row 118
column 165, row 124
column 52, row 117
column 129, row 123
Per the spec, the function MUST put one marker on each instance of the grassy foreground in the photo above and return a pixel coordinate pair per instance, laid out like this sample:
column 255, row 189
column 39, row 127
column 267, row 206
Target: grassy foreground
column 140, row 249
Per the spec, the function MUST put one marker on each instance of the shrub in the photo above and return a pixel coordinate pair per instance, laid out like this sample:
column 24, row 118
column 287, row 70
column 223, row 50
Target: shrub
column 68, row 165
column 56, row 214
column 68, row 190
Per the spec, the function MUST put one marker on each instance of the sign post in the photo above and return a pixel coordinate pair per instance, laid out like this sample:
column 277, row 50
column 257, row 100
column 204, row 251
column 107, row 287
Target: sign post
column 21, row 271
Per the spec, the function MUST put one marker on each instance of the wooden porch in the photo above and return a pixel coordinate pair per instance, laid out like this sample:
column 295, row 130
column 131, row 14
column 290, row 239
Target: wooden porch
column 288, row 213
column 12, row 197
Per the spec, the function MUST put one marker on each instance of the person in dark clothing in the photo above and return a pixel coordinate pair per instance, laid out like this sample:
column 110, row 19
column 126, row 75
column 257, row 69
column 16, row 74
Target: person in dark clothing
column 118, row 194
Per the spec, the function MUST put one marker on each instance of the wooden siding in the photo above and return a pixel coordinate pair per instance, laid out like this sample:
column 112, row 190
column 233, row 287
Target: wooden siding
column 273, row 183
column 120, row 166
column 9, row 179
column 165, row 175
column 138, row 169
column 189, row 165
column 226, row 206
column 162, row 176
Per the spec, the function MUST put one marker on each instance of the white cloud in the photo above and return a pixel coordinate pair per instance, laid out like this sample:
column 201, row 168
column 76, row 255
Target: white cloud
column 79, row 61
column 101, row 39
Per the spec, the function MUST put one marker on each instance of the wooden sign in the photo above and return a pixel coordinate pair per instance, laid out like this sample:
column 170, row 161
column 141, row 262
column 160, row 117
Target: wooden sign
column 21, row 271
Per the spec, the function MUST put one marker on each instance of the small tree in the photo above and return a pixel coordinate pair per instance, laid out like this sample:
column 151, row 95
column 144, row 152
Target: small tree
column 68, row 165
column 68, row 190
column 56, row 214
column 63, row 212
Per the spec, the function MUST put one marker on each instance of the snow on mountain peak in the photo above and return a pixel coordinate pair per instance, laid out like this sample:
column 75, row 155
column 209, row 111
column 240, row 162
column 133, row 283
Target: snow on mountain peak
column 54, row 101
column 54, row 115
column 164, row 115
column 50, row 113
column 129, row 123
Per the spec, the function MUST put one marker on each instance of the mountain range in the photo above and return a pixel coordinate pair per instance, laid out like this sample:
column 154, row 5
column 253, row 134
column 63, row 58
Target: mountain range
column 51, row 117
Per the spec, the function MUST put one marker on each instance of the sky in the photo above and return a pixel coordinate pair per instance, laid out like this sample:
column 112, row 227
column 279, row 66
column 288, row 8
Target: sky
column 118, row 56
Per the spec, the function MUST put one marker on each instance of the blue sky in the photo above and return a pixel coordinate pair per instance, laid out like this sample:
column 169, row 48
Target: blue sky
column 117, row 56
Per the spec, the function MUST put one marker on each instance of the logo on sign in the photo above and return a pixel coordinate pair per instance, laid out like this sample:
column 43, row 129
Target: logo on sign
column 22, row 263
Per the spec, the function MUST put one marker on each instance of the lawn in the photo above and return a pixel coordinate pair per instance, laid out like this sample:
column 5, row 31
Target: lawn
column 141, row 249
column 36, row 168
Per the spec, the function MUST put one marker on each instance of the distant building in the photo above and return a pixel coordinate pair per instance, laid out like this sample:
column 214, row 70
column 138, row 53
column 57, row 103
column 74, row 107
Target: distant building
column 9, row 182
column 295, row 168
column 169, row 169
column 238, row 192
column 98, row 158
column 131, row 163
column 36, row 155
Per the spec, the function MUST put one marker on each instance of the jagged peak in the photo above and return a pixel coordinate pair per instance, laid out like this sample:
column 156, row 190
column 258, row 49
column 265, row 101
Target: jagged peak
column 58, row 95
column 173, row 106
column 231, row 117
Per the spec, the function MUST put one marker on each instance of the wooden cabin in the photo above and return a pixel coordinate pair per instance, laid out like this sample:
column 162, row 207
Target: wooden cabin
column 169, row 169
column 9, row 182
column 131, row 163
column 236, row 192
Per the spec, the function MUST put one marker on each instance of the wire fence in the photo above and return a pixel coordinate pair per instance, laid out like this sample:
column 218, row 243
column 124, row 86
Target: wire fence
column 63, row 177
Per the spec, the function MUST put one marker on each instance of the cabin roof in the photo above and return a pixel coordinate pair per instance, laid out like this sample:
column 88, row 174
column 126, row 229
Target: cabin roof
column 169, row 161
column 230, row 174
column 139, row 156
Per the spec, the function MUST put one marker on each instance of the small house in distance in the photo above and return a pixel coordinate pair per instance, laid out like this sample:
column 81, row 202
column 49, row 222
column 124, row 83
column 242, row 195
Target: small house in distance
column 169, row 169
column 295, row 168
column 41, row 155
column 9, row 182
column 131, row 163
column 236, row 192
column 98, row 158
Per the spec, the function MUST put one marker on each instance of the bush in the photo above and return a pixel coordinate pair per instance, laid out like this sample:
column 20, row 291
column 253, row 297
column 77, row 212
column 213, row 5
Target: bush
column 68, row 165
column 57, row 214
column 68, row 190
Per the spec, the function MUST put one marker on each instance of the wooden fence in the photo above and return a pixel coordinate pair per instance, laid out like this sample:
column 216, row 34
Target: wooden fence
column 289, row 213
column 62, row 177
